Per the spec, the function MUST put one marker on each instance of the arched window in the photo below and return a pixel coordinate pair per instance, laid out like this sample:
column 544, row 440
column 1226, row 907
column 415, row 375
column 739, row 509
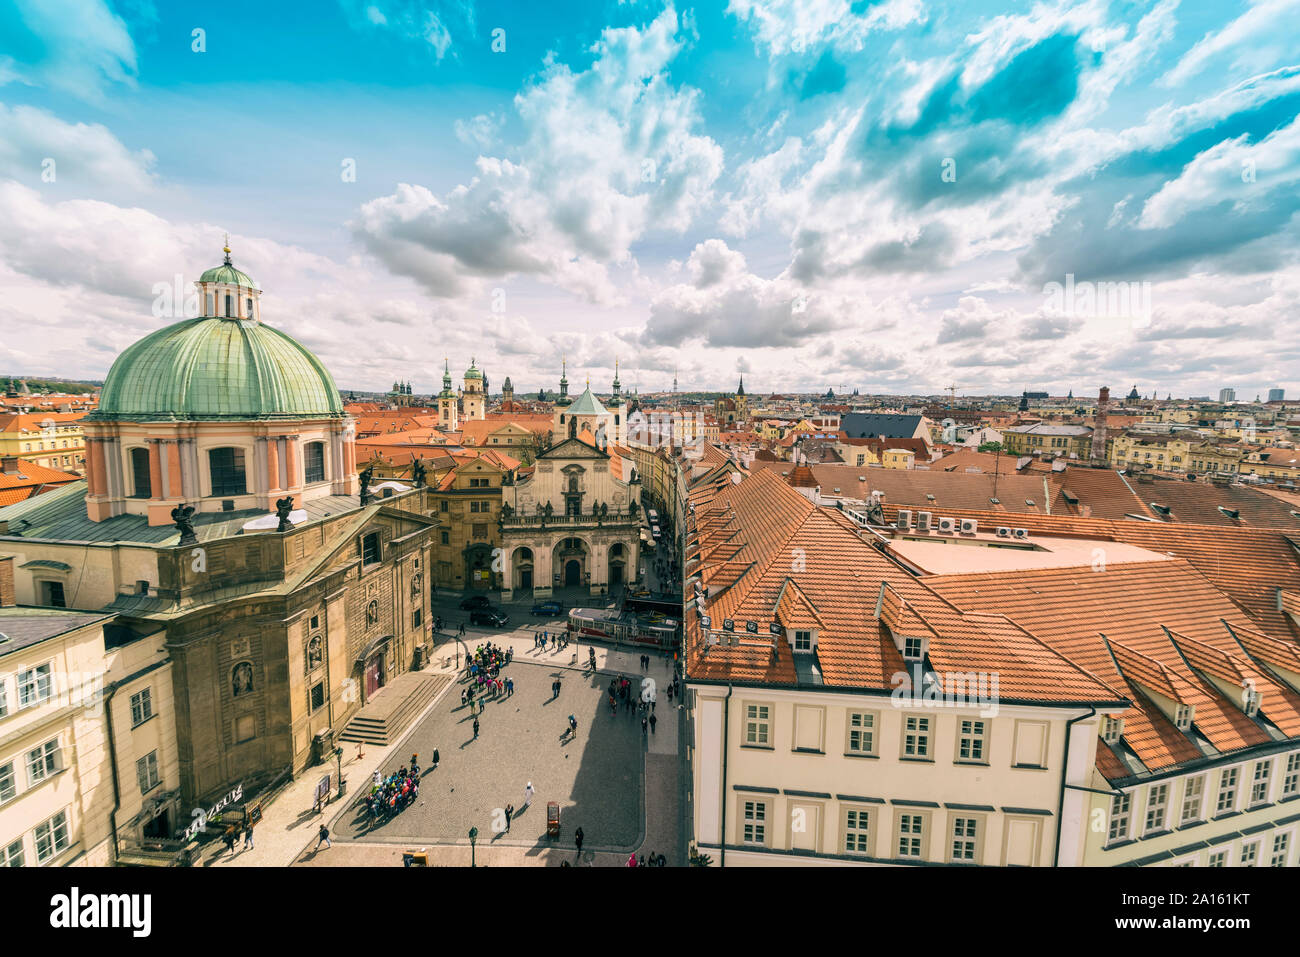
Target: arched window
column 230, row 306
column 315, row 654
column 227, row 470
column 141, row 485
column 313, row 462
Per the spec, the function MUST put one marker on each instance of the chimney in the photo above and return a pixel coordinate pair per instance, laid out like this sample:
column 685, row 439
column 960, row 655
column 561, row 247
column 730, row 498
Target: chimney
column 9, row 465
column 1098, row 454
column 7, row 599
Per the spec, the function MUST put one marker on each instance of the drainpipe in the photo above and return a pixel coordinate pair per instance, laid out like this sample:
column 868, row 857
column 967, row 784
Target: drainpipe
column 726, row 717
column 1065, row 765
column 112, row 759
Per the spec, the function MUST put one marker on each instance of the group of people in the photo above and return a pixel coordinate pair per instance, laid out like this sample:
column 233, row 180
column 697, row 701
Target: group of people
column 398, row 791
column 654, row 860
column 558, row 641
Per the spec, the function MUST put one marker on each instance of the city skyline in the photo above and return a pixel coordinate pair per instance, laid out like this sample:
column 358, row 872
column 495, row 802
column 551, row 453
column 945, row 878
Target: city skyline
column 810, row 195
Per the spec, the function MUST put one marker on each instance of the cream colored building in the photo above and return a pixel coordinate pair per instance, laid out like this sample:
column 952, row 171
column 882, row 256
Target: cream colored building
column 88, row 756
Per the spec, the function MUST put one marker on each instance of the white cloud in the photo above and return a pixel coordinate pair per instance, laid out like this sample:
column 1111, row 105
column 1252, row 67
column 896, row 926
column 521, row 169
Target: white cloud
column 87, row 48
column 83, row 154
column 1262, row 17
column 793, row 26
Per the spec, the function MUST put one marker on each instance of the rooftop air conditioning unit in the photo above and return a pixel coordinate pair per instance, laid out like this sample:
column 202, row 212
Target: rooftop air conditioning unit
column 969, row 526
column 904, row 519
column 1020, row 532
column 947, row 526
column 1004, row 531
column 922, row 521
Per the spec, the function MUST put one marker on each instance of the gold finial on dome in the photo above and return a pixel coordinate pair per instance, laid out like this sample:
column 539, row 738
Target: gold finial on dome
column 226, row 248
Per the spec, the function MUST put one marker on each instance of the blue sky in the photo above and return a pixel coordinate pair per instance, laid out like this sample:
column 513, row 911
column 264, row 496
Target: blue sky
column 824, row 193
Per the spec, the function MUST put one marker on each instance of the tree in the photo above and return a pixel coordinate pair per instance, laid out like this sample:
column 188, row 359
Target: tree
column 990, row 447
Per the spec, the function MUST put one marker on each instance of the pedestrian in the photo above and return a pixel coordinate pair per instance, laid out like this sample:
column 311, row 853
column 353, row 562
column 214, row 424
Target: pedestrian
column 229, row 838
column 652, row 705
column 577, row 839
column 528, row 794
column 476, row 729
column 248, row 837
column 631, row 861
column 643, row 724
column 462, row 697
column 510, row 812
column 323, row 838
column 652, row 723
column 436, row 759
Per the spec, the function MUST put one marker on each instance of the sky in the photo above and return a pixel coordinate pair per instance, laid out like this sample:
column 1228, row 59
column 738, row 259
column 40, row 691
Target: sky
column 893, row 196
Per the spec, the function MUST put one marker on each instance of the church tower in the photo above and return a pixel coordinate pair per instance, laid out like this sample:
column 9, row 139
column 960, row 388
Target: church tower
column 619, row 434
column 742, row 402
column 448, row 414
column 564, row 383
column 507, row 396
column 475, row 401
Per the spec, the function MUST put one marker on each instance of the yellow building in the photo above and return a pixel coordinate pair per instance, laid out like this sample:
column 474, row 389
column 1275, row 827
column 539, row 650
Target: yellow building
column 1215, row 457
column 52, row 439
column 1164, row 452
column 1044, row 437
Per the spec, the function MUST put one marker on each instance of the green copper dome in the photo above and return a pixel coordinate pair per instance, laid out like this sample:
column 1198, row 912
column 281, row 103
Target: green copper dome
column 213, row 369
column 228, row 273
column 471, row 372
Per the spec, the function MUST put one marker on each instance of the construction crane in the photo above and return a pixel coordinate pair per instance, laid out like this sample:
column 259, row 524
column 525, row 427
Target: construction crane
column 952, row 393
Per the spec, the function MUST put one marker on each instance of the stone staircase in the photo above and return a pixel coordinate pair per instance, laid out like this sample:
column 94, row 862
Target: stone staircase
column 394, row 708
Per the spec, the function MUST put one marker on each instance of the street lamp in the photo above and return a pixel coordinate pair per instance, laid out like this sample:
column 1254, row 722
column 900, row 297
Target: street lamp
column 338, row 756
column 473, row 839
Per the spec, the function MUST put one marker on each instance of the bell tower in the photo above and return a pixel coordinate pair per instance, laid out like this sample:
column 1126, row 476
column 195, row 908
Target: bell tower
column 448, row 413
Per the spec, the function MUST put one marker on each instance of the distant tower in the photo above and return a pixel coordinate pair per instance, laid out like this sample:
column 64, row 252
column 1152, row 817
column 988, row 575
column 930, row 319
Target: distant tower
column 448, row 413
column 1098, row 454
column 507, row 395
column 617, row 409
column 473, row 397
column 564, row 382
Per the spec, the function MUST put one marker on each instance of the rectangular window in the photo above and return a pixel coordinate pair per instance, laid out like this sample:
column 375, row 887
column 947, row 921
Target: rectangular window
column 970, row 740
column 1111, row 729
column 52, row 595
column 141, row 482
column 313, row 462
column 1120, row 807
column 318, row 696
column 916, row 737
column 857, row 831
column 34, row 686
column 758, row 725
column 417, row 618
column 912, row 648
column 371, row 553
column 1183, row 717
column 965, row 831
column 473, row 506
column 8, row 781
column 803, row 641
column 13, row 855
column 1290, row 779
column 1227, row 790
column 52, row 837
column 1249, row 854
column 42, row 761
column 1281, row 845
column 141, row 706
column 442, row 506
column 227, row 470
column 446, row 538
column 754, row 820
column 1218, row 859
column 146, row 772
column 479, row 531
column 4, row 696
column 862, row 732
column 910, row 833
column 245, row 728
column 1259, row 786
column 1193, row 797
column 1157, row 805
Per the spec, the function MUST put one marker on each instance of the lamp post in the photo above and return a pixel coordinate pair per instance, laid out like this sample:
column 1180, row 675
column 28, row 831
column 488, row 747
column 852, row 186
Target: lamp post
column 473, row 839
column 338, row 756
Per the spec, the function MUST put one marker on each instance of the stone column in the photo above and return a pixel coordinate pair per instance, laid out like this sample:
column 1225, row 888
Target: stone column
column 175, row 487
column 97, row 474
column 292, row 463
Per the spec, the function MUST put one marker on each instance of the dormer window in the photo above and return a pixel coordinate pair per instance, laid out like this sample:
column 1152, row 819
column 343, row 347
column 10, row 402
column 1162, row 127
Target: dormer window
column 1111, row 729
column 912, row 649
column 1183, row 717
column 1250, row 702
column 803, row 641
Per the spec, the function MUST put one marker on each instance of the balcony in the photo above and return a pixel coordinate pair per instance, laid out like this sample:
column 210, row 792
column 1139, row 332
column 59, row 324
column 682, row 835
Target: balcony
column 560, row 520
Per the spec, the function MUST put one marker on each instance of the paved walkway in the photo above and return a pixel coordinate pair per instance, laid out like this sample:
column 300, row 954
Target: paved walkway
column 287, row 833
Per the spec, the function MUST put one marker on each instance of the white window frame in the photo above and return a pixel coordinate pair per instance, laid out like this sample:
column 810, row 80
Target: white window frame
column 802, row 640
column 1229, row 790
column 917, row 729
column 859, row 829
column 866, row 728
column 1157, row 807
column 1112, row 729
column 141, row 706
column 972, row 737
column 1280, row 851
column 758, row 724
column 46, row 754
column 51, row 826
column 35, row 685
column 1183, row 717
column 913, row 648
column 1121, row 814
column 1217, row 859
column 1249, row 854
column 753, row 822
column 1291, row 775
column 146, row 772
column 1259, row 784
column 910, row 836
column 12, row 776
column 1193, row 790
column 965, row 839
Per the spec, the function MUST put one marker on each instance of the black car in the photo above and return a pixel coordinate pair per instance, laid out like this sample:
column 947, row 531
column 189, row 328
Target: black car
column 549, row 609
column 489, row 617
column 475, row 601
